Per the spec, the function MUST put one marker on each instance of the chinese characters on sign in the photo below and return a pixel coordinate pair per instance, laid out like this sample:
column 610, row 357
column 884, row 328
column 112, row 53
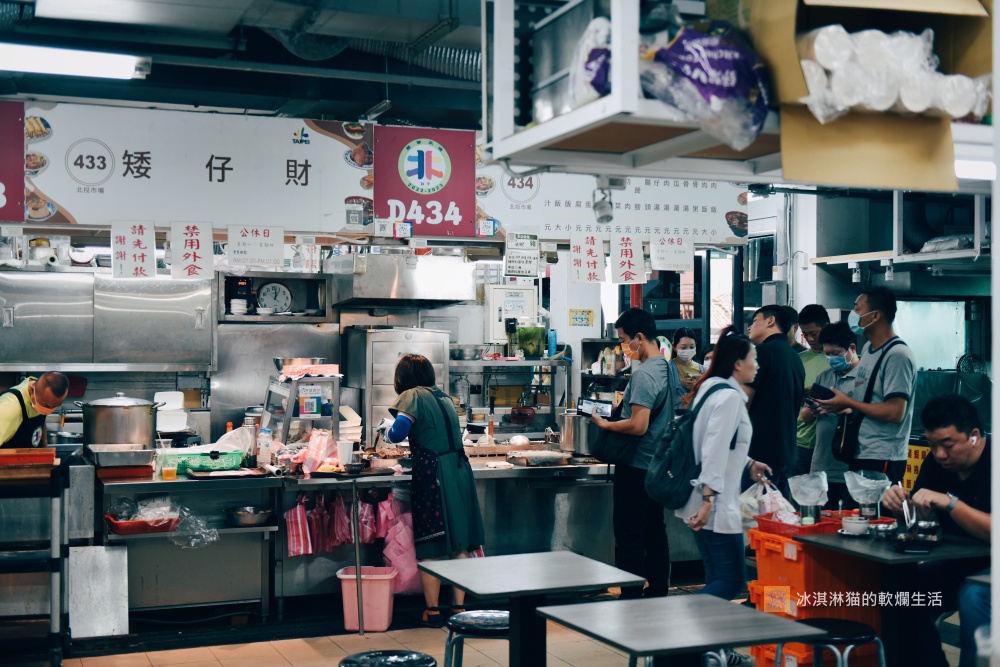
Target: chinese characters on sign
column 191, row 250
column 671, row 252
column 521, row 255
column 586, row 255
column 257, row 245
column 133, row 249
column 581, row 317
column 627, row 259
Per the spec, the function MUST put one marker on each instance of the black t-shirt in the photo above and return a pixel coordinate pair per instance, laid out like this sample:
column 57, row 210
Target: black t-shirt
column 974, row 490
column 779, row 388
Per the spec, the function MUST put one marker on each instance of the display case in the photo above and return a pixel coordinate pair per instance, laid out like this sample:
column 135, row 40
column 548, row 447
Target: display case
column 292, row 409
column 295, row 297
column 594, row 383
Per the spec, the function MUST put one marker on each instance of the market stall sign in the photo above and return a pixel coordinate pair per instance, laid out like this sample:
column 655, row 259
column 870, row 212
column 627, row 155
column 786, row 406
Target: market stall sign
column 627, row 259
column 521, row 255
column 256, row 245
column 133, row 249
column 671, row 252
column 426, row 177
column 191, row 250
column 12, row 163
column 586, row 255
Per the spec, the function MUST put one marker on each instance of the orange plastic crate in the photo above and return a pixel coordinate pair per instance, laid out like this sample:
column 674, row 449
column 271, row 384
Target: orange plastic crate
column 768, row 598
column 782, row 561
column 795, row 655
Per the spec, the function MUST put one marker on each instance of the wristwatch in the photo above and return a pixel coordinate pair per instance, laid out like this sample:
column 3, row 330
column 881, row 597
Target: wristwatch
column 951, row 505
column 709, row 499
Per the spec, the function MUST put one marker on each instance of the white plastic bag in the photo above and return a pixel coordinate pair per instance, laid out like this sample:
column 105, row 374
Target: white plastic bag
column 769, row 499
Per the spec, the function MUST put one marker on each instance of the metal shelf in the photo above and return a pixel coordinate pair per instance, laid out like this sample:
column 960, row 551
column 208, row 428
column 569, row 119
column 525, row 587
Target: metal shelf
column 483, row 363
column 223, row 528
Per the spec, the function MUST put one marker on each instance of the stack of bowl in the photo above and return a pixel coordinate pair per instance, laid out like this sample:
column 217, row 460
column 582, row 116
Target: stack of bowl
column 238, row 306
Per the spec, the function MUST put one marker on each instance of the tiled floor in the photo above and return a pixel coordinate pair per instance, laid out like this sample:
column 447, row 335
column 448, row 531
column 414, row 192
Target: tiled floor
column 565, row 648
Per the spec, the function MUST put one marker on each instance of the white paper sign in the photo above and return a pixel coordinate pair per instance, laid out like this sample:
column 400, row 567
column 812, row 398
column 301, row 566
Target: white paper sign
column 627, row 259
column 521, row 263
column 133, row 249
column 256, row 245
column 519, row 241
column 586, row 253
column 191, row 250
column 673, row 252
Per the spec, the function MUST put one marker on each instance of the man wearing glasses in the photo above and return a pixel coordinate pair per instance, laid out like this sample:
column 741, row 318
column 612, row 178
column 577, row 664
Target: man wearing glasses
column 23, row 409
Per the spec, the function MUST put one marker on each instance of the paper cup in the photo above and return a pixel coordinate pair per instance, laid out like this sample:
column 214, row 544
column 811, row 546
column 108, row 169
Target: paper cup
column 344, row 449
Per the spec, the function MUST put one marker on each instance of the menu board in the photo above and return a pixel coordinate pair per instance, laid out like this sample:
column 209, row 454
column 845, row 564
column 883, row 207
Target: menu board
column 11, row 164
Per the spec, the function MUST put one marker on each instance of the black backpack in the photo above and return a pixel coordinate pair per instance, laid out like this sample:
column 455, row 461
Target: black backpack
column 668, row 479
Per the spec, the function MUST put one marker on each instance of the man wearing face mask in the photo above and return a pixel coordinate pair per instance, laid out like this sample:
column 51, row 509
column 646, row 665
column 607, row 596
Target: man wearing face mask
column 836, row 341
column 647, row 410
column 811, row 320
column 885, row 430
column 23, row 409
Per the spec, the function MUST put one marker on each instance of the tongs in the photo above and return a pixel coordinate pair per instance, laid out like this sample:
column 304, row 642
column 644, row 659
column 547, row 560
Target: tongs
column 908, row 518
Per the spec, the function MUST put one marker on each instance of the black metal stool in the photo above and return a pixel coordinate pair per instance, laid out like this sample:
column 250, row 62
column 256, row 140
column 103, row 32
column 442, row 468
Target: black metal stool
column 839, row 632
column 389, row 659
column 485, row 624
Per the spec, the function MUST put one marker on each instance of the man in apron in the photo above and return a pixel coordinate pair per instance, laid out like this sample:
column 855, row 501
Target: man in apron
column 23, row 409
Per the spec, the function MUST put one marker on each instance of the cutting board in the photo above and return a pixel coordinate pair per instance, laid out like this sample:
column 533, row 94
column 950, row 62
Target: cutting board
column 27, row 472
column 125, row 472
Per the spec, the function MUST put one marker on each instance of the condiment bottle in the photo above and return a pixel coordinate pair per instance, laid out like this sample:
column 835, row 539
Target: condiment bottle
column 264, row 447
column 250, row 459
column 229, row 426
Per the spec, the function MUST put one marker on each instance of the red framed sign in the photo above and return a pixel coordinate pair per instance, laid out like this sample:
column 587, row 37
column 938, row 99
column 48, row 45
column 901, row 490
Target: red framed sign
column 12, row 161
column 426, row 177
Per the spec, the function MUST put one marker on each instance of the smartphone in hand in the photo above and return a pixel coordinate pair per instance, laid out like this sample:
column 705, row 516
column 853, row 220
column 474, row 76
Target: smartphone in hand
column 819, row 392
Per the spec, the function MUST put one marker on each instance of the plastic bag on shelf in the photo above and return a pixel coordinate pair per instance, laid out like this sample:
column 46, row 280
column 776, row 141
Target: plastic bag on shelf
column 124, row 509
column 321, row 446
column 589, row 75
column 193, row 532
column 712, row 76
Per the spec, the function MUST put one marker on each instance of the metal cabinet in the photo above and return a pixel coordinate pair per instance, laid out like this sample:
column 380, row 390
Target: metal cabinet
column 152, row 321
column 44, row 312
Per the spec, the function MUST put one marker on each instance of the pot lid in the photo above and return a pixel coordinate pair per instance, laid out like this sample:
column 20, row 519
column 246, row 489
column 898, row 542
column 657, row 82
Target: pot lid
column 119, row 401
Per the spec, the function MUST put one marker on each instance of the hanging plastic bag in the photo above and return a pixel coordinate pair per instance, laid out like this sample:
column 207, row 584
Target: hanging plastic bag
column 400, row 552
column 769, row 499
column 388, row 512
column 332, row 540
column 297, row 529
column 319, row 523
column 749, row 507
column 366, row 522
column 342, row 522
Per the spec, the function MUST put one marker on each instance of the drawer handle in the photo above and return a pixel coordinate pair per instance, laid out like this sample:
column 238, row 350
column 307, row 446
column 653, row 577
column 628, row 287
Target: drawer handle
column 199, row 318
column 8, row 318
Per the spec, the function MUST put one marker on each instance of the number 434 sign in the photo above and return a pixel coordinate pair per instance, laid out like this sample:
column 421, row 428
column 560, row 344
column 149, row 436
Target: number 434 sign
column 426, row 177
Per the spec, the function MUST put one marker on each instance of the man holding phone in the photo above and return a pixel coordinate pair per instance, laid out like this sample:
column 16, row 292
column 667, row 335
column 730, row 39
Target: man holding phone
column 841, row 354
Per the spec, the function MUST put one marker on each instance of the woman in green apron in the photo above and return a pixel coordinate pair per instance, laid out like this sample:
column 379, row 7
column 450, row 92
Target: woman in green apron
column 447, row 522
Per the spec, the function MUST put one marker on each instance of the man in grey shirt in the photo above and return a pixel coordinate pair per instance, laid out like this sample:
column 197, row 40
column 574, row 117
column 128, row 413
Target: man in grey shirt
column 640, row 534
column 885, row 430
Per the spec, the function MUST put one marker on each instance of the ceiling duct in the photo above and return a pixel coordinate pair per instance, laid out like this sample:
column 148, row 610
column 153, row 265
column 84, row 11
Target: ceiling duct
column 13, row 13
column 458, row 63
column 308, row 46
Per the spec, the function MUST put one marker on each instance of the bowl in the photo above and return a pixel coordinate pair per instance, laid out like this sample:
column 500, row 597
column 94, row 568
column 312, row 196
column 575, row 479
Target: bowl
column 466, row 352
column 281, row 362
column 354, row 468
column 884, row 531
column 265, row 311
column 855, row 525
column 248, row 515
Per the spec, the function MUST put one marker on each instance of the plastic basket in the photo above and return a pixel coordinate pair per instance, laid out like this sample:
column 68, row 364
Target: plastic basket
column 796, row 655
column 141, row 527
column 768, row 524
column 377, row 584
column 202, row 462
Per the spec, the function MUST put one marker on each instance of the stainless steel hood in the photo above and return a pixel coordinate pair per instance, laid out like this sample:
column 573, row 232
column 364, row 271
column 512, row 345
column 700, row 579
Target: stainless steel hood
column 400, row 281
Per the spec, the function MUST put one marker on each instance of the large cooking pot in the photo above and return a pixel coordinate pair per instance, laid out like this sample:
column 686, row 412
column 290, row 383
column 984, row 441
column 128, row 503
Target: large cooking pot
column 576, row 433
column 118, row 420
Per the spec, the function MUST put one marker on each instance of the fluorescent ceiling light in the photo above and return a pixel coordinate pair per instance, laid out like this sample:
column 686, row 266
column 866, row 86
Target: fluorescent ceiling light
column 46, row 60
column 976, row 170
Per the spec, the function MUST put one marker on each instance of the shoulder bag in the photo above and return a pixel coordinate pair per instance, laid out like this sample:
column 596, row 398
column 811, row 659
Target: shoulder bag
column 619, row 448
column 845, row 440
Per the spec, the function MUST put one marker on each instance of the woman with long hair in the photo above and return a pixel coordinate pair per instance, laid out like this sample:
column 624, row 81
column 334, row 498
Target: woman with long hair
column 721, row 438
column 686, row 371
column 447, row 521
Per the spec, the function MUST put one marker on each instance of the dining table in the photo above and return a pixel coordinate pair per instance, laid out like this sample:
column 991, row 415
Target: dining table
column 678, row 624
column 526, row 580
column 897, row 568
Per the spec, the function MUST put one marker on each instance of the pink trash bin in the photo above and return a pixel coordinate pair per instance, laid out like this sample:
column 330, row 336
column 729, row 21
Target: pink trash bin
column 376, row 590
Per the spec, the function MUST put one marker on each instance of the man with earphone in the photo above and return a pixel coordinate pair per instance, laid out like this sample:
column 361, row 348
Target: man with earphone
column 954, row 485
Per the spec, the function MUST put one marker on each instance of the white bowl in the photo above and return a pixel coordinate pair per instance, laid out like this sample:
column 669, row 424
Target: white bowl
column 265, row 311
column 855, row 525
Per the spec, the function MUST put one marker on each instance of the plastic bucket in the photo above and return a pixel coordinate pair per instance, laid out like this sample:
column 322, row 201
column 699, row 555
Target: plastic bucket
column 377, row 585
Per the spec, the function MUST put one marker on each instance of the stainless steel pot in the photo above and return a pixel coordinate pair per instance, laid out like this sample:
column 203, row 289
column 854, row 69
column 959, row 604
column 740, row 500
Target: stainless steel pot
column 576, row 433
column 119, row 420
column 65, row 438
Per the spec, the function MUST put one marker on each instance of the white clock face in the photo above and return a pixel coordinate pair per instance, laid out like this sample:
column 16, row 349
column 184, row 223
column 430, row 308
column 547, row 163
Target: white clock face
column 274, row 295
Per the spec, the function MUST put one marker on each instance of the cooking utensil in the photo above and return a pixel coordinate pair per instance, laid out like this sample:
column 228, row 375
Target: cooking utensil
column 121, row 455
column 466, row 352
column 119, row 419
column 576, row 432
column 65, row 438
column 522, row 414
column 281, row 362
column 906, row 511
column 248, row 515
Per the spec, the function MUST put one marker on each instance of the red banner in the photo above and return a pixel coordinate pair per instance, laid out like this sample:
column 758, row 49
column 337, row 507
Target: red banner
column 12, row 161
column 426, row 177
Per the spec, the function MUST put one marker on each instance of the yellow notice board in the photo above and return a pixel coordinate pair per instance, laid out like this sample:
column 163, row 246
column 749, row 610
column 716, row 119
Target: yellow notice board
column 914, row 458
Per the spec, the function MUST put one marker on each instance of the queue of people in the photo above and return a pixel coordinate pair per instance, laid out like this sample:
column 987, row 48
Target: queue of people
column 781, row 420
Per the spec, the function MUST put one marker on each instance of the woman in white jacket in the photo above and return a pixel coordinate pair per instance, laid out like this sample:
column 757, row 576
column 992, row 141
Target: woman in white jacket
column 721, row 441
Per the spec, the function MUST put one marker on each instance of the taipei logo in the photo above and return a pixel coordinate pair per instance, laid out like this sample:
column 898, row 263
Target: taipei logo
column 424, row 166
column 300, row 137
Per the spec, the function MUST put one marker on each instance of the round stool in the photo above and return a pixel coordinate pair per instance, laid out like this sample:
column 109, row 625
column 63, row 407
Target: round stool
column 389, row 659
column 839, row 632
column 485, row 624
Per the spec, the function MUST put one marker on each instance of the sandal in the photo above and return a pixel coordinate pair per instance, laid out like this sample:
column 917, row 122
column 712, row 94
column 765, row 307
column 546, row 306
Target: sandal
column 456, row 609
column 433, row 618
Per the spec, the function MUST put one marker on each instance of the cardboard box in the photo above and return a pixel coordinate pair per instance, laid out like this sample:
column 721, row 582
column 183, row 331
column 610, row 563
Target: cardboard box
column 861, row 149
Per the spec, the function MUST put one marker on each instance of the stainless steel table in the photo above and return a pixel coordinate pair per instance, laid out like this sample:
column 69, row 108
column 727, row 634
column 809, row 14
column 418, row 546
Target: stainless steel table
column 898, row 567
column 678, row 624
column 526, row 579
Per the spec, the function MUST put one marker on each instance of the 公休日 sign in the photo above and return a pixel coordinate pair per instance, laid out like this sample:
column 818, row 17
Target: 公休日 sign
column 426, row 177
